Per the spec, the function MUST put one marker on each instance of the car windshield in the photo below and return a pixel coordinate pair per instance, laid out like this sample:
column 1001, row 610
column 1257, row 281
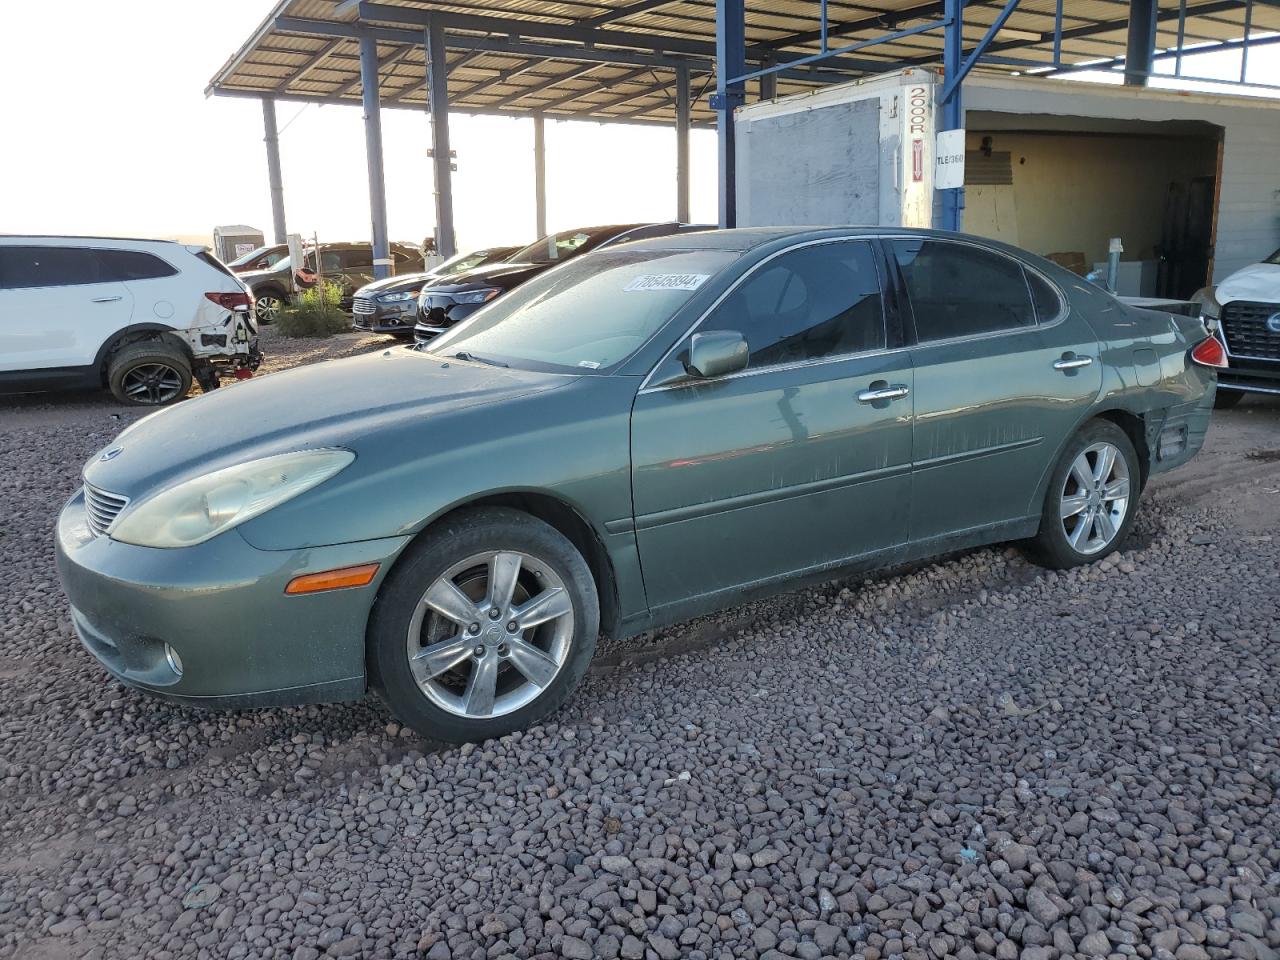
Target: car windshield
column 561, row 246
column 588, row 315
column 244, row 258
column 461, row 263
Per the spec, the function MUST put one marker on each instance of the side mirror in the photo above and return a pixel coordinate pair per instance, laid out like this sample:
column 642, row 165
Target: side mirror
column 716, row 353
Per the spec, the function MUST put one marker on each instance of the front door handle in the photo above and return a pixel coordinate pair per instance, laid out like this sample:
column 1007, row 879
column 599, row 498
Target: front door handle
column 105, row 299
column 1071, row 362
column 877, row 394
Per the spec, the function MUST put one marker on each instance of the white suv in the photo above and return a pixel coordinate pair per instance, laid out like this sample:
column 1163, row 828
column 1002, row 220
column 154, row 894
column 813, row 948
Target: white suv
column 141, row 317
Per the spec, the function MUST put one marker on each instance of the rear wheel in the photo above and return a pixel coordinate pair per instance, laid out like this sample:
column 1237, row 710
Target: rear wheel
column 1226, row 399
column 485, row 627
column 149, row 373
column 1092, row 498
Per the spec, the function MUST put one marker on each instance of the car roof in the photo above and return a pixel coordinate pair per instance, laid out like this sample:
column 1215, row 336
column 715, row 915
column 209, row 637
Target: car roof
column 24, row 237
column 742, row 239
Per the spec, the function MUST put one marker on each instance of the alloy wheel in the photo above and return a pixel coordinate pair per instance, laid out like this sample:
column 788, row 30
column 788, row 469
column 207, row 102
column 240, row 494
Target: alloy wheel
column 154, row 383
column 1095, row 498
column 266, row 308
column 490, row 634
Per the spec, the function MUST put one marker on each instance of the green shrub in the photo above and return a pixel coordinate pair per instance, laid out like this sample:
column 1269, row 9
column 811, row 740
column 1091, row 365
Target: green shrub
column 315, row 313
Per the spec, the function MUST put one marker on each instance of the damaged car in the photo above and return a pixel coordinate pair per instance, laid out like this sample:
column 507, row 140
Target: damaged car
column 1243, row 311
column 141, row 318
column 643, row 434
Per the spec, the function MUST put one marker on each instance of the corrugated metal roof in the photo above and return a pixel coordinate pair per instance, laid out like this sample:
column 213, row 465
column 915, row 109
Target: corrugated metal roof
column 299, row 50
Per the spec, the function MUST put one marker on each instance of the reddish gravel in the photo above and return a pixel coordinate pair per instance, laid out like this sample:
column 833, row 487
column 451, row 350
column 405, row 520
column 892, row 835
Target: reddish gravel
column 972, row 758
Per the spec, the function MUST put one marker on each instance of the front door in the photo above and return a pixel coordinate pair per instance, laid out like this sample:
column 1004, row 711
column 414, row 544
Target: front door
column 1003, row 375
column 799, row 461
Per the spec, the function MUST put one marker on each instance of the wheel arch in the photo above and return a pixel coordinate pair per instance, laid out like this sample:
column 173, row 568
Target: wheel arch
column 563, row 516
column 1134, row 425
column 135, row 333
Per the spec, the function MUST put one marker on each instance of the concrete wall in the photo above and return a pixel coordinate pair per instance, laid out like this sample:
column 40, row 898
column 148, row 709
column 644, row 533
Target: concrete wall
column 1249, row 199
column 1076, row 191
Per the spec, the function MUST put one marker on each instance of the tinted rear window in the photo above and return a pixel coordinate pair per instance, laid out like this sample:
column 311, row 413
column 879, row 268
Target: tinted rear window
column 46, row 267
column 131, row 265
column 961, row 290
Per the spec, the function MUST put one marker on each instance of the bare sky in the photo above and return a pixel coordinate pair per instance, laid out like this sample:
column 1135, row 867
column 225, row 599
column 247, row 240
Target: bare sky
column 109, row 131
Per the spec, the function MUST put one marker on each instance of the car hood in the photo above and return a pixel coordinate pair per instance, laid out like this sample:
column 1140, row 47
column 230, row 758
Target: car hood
column 1260, row 281
column 339, row 403
column 494, row 275
column 406, row 281
column 249, row 276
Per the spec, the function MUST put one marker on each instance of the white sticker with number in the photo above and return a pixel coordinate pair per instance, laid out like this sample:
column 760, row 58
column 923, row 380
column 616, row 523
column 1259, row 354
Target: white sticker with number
column 667, row 281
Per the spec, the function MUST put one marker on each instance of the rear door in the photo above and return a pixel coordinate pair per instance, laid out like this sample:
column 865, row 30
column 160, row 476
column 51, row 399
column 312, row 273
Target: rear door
column 56, row 310
column 800, row 461
column 1003, row 374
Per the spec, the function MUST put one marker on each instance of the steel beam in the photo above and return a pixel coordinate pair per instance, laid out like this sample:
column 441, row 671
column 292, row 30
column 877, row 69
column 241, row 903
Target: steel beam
column 442, row 166
column 272, row 140
column 951, row 107
column 731, row 62
column 1140, row 49
column 392, row 58
column 682, row 144
column 373, row 154
column 313, row 61
column 563, row 78
column 539, row 176
column 621, row 13
column 321, row 100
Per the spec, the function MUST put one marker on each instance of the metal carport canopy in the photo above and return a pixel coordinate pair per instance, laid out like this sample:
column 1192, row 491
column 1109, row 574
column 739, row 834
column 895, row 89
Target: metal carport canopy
column 649, row 61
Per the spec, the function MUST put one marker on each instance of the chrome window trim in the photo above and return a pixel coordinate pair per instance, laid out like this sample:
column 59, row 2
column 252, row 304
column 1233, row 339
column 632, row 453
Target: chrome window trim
column 644, row 386
column 1064, row 304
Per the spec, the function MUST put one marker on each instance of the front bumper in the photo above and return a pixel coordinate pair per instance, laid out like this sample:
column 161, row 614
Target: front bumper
column 1251, row 376
column 221, row 606
column 396, row 318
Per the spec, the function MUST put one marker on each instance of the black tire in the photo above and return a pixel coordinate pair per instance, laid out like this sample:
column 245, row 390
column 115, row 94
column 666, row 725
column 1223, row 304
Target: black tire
column 1052, row 547
column 268, row 297
column 149, row 373
column 1226, row 399
column 458, row 537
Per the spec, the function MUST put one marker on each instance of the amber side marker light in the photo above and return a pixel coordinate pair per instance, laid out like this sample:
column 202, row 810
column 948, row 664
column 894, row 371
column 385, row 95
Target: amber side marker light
column 340, row 579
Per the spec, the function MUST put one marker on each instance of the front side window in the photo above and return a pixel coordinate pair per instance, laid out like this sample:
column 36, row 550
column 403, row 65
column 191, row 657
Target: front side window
column 961, row 290
column 47, row 267
column 818, row 301
column 132, row 265
column 588, row 315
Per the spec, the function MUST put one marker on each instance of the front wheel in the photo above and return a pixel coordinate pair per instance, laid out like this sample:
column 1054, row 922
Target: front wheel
column 267, row 305
column 1092, row 498
column 485, row 627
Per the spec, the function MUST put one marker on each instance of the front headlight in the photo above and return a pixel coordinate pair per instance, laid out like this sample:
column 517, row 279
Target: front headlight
column 476, row 296
column 1210, row 308
column 398, row 297
column 196, row 510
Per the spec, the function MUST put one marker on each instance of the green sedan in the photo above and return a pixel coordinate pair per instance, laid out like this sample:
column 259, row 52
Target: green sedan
column 642, row 435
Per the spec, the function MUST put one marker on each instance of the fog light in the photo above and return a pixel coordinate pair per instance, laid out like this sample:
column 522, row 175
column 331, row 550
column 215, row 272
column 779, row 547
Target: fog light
column 171, row 657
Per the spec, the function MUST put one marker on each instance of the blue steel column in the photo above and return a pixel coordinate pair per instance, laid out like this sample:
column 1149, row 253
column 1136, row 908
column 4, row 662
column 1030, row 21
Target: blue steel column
column 539, row 175
column 373, row 153
column 438, row 101
column 272, row 139
column 1140, row 49
column 731, row 62
column 952, row 108
column 682, row 143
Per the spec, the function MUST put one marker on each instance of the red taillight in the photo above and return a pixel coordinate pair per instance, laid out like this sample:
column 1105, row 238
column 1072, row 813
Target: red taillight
column 1210, row 353
column 243, row 373
column 232, row 301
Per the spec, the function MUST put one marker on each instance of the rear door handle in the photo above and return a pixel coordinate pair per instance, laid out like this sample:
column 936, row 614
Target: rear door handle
column 105, row 299
column 1072, row 363
column 894, row 392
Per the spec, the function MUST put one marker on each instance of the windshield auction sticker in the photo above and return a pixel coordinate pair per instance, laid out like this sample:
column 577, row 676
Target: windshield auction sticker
column 666, row 281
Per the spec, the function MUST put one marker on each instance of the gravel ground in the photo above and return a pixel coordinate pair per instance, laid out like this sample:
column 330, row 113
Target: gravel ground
column 972, row 758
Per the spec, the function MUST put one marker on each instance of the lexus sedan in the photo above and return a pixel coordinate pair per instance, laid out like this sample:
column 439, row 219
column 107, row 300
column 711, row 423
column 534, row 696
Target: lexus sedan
column 643, row 434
